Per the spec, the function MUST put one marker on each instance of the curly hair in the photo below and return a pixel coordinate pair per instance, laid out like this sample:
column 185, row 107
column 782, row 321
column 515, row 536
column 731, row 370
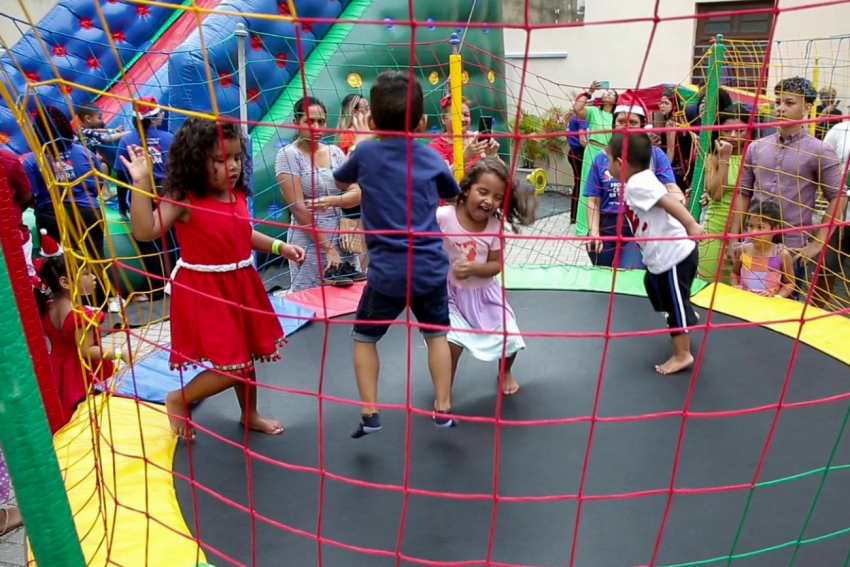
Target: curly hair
column 522, row 200
column 798, row 86
column 186, row 167
column 53, row 128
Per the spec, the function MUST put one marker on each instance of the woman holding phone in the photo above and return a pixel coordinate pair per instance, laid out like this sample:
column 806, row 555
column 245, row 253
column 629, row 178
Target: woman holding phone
column 600, row 120
column 474, row 145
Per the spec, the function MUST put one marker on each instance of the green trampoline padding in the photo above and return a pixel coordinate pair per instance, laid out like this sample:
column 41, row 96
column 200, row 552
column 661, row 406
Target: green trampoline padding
column 580, row 278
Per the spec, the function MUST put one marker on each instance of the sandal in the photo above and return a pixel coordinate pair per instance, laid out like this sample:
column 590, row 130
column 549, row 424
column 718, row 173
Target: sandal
column 347, row 269
column 5, row 526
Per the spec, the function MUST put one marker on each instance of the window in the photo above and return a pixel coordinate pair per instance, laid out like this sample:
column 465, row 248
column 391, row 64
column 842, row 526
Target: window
column 543, row 11
column 746, row 37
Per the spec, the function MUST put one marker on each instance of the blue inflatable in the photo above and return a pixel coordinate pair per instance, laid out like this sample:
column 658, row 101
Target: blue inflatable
column 72, row 38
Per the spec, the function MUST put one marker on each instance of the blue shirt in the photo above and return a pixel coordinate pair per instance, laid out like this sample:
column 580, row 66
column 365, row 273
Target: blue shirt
column 600, row 182
column 575, row 126
column 71, row 164
column 158, row 143
column 381, row 169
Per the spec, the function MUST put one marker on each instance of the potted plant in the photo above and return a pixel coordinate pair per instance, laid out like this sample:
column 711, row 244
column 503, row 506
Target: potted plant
column 539, row 151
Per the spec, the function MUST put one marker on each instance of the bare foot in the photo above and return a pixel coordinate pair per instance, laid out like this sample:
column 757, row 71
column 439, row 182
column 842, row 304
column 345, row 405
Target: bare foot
column 179, row 415
column 510, row 386
column 675, row 364
column 263, row 424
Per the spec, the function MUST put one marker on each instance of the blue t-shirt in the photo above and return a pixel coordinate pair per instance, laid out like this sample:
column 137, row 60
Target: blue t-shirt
column 600, row 182
column 574, row 126
column 381, row 170
column 158, row 142
column 71, row 164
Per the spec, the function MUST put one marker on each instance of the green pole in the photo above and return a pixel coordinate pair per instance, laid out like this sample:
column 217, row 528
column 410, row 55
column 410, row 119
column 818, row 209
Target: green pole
column 27, row 443
column 712, row 92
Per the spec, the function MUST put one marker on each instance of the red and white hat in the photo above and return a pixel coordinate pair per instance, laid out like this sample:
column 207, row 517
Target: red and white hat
column 150, row 109
column 49, row 247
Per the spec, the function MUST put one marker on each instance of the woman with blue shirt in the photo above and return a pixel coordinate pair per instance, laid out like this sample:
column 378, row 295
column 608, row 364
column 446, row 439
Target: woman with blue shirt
column 69, row 162
column 605, row 205
column 148, row 136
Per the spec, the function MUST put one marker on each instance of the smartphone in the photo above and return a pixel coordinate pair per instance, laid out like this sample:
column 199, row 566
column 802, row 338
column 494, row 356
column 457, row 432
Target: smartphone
column 658, row 120
column 604, row 84
column 485, row 128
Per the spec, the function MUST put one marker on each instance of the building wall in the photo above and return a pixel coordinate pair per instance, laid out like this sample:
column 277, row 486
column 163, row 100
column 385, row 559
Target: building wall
column 10, row 30
column 564, row 61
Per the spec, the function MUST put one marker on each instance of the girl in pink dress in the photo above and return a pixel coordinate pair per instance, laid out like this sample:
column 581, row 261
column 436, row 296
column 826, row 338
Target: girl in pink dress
column 473, row 240
column 764, row 266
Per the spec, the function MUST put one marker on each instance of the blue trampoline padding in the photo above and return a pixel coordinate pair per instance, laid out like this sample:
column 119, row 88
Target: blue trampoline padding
column 150, row 378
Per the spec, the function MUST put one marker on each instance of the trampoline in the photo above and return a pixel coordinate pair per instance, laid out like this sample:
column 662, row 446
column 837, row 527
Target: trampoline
column 796, row 514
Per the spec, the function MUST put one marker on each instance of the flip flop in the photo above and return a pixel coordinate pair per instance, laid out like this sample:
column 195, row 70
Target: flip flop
column 9, row 528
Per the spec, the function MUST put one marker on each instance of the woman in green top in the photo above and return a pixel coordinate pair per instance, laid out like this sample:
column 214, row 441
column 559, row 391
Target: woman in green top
column 721, row 176
column 600, row 120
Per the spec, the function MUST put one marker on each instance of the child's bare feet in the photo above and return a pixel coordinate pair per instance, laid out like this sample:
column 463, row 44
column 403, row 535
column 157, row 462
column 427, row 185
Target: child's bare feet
column 675, row 363
column 179, row 415
column 263, row 424
column 510, row 385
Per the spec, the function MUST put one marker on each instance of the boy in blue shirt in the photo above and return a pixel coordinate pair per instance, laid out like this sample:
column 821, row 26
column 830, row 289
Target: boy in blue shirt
column 401, row 183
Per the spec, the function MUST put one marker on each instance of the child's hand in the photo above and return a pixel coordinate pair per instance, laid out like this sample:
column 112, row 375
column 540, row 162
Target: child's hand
column 137, row 164
column 766, row 293
column 462, row 269
column 293, row 252
column 360, row 124
column 322, row 204
column 695, row 229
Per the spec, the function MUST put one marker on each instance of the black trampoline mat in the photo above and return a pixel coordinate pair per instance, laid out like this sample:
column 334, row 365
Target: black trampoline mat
column 742, row 368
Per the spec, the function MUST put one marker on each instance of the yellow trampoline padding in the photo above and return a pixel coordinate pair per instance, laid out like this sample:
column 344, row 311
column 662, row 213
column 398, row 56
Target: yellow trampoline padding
column 121, row 518
column 822, row 330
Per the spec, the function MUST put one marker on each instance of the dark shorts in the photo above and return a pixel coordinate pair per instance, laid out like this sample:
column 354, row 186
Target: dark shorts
column 429, row 309
column 838, row 252
column 670, row 293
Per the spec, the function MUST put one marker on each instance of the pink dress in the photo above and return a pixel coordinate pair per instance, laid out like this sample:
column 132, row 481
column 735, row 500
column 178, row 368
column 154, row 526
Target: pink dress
column 477, row 303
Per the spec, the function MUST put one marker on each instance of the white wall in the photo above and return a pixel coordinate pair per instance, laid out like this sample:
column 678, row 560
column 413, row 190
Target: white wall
column 615, row 52
column 11, row 31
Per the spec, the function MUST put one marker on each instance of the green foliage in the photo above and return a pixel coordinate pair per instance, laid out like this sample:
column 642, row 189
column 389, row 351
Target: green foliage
column 536, row 151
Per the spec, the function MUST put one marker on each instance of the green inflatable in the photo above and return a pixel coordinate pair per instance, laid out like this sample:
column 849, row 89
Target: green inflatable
column 351, row 56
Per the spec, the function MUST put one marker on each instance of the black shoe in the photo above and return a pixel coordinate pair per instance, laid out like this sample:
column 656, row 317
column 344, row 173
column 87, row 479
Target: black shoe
column 369, row 423
column 335, row 278
column 442, row 419
column 347, row 269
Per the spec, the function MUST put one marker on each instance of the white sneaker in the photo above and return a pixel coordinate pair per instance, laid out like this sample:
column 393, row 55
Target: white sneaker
column 114, row 304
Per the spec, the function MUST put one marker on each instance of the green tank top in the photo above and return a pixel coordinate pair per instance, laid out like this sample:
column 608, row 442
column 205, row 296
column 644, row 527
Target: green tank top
column 718, row 211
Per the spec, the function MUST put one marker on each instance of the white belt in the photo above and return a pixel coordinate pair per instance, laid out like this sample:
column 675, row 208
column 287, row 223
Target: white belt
column 209, row 268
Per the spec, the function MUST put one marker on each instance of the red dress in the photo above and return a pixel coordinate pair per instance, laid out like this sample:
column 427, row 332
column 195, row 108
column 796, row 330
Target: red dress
column 223, row 319
column 66, row 360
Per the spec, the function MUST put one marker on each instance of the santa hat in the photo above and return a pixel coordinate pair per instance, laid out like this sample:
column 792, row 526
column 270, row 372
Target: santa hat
column 149, row 110
column 629, row 102
column 49, row 247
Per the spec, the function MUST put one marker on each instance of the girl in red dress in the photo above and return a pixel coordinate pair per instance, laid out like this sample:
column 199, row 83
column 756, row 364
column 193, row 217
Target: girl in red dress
column 221, row 317
column 72, row 330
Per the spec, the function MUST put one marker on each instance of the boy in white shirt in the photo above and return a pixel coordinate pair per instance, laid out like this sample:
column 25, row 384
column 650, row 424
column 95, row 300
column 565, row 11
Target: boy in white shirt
column 671, row 264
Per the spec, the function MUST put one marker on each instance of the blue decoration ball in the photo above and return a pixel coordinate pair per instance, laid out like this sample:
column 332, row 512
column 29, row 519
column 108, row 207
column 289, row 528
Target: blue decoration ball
column 388, row 23
column 430, row 21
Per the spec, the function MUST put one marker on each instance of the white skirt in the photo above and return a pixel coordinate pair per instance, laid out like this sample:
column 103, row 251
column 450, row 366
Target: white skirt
column 485, row 346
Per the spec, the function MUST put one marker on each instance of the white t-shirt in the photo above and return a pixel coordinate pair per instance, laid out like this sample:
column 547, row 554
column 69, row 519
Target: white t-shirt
column 838, row 138
column 472, row 246
column 643, row 191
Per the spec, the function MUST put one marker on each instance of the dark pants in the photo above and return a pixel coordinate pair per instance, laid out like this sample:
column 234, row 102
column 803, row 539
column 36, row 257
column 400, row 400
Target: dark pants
column 575, row 156
column 630, row 257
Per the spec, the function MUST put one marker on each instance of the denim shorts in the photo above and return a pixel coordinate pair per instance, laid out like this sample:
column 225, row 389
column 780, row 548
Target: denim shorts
column 431, row 308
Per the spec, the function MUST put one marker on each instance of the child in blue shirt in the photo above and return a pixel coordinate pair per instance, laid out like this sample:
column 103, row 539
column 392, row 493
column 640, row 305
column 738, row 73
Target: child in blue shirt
column 401, row 183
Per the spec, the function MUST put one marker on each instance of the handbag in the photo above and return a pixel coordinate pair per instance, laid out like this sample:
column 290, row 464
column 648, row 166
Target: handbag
column 349, row 241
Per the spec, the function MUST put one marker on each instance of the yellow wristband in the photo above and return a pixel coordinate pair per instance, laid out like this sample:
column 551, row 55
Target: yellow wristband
column 276, row 246
column 116, row 353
